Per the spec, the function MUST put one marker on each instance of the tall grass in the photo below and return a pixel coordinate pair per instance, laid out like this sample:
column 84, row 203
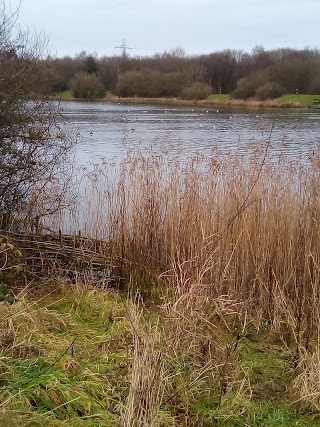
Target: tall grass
column 148, row 378
column 244, row 223
column 231, row 239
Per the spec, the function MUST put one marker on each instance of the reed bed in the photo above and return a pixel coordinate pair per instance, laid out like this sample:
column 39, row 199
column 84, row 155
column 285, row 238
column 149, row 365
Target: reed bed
column 245, row 223
column 228, row 241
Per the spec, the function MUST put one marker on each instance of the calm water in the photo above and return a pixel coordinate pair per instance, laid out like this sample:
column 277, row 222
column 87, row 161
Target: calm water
column 104, row 129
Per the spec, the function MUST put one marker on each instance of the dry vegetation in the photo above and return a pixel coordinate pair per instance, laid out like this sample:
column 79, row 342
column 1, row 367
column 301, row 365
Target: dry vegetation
column 243, row 224
column 224, row 250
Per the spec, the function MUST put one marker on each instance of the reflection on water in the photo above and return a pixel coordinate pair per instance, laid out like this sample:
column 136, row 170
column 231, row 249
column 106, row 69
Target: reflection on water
column 105, row 128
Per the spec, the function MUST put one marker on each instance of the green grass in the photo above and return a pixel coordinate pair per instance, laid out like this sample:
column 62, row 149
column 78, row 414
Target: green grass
column 65, row 95
column 293, row 99
column 79, row 388
column 303, row 100
column 285, row 100
column 44, row 381
column 220, row 97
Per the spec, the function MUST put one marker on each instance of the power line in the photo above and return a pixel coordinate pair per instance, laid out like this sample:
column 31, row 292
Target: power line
column 123, row 48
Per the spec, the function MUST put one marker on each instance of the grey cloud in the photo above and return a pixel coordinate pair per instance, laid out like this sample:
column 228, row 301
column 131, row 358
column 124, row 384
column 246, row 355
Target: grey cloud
column 199, row 26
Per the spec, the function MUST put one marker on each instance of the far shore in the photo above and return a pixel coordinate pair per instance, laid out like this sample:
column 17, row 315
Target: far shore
column 287, row 101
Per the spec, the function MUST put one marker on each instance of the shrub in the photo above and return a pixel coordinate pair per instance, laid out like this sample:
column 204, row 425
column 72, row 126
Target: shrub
column 315, row 86
column 149, row 84
column 244, row 90
column 197, row 90
column 87, row 86
column 33, row 148
column 144, row 83
column 126, row 85
column 269, row 90
column 173, row 83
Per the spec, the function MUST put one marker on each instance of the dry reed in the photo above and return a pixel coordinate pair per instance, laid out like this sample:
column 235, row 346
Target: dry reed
column 248, row 222
column 147, row 378
column 233, row 237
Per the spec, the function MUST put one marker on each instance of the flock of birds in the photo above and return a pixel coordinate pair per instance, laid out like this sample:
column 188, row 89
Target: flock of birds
column 125, row 119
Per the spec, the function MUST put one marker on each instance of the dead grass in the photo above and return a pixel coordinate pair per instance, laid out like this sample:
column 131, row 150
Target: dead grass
column 229, row 242
column 243, row 224
column 148, row 380
column 233, row 237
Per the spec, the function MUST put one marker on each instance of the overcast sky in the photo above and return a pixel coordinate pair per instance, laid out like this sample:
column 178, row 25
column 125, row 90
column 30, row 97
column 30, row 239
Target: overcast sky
column 150, row 26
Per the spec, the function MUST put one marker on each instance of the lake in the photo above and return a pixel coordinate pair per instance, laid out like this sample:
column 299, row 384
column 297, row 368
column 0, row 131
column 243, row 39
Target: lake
column 106, row 129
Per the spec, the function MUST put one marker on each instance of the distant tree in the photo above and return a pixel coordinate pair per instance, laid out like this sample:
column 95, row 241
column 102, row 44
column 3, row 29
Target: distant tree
column 220, row 71
column 194, row 71
column 315, row 86
column 292, row 75
column 129, row 84
column 173, row 83
column 290, row 68
column 90, row 65
column 261, row 58
column 63, row 69
column 150, row 83
column 108, row 72
column 196, row 91
column 269, row 90
column 243, row 67
column 244, row 90
column 86, row 86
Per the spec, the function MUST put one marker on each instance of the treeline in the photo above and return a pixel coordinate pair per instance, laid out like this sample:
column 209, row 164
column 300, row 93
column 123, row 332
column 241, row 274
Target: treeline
column 262, row 74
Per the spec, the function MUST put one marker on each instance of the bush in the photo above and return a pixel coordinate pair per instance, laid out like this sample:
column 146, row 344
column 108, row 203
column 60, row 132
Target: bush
column 315, row 86
column 196, row 91
column 269, row 90
column 149, row 84
column 173, row 83
column 126, row 85
column 34, row 166
column 244, row 90
column 86, row 86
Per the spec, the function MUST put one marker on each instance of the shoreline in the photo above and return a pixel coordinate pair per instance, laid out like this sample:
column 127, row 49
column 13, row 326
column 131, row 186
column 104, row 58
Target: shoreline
column 232, row 103
column 251, row 103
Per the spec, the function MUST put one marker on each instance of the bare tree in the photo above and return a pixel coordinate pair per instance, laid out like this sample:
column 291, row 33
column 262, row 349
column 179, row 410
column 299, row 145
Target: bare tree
column 34, row 150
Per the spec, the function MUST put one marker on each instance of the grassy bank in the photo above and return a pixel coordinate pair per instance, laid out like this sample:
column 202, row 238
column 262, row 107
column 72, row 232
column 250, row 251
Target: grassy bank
column 65, row 95
column 285, row 101
column 299, row 100
column 84, row 357
column 223, row 249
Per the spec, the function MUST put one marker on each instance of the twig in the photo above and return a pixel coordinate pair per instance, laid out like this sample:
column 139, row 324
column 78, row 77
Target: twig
column 245, row 203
